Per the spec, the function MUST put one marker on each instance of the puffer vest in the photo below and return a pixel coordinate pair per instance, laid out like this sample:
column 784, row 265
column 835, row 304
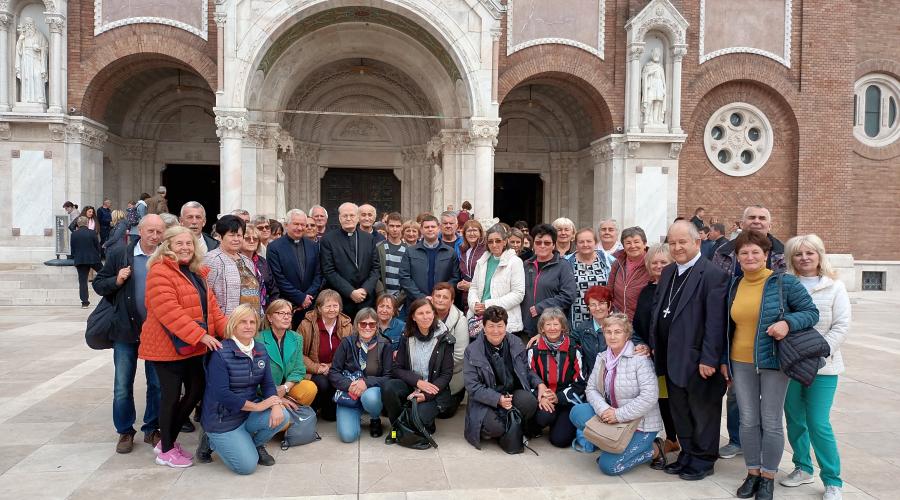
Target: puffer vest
column 245, row 375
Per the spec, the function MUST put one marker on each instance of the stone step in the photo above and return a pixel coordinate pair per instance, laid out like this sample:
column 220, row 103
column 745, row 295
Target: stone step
column 53, row 297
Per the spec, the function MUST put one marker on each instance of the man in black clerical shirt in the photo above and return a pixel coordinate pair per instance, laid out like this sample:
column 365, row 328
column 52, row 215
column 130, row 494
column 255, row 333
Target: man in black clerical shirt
column 350, row 263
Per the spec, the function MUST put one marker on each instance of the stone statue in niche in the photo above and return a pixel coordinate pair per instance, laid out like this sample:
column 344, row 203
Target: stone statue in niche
column 653, row 91
column 280, row 192
column 437, row 187
column 32, row 50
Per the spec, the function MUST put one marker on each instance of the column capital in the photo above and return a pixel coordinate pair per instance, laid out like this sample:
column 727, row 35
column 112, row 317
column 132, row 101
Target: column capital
column 484, row 131
column 220, row 17
column 5, row 16
column 678, row 52
column 231, row 123
column 56, row 23
column 635, row 51
column 83, row 131
column 455, row 141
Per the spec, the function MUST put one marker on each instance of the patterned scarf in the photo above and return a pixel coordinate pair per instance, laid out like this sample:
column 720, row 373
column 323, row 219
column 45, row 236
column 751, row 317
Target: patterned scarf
column 363, row 351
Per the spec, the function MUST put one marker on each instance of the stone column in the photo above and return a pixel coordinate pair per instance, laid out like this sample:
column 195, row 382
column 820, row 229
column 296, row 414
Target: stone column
column 633, row 88
column 456, row 146
column 414, row 167
column 5, row 19
column 231, row 127
column 85, row 139
column 219, row 17
column 56, row 24
column 308, row 162
column 495, row 65
column 484, row 137
column 678, row 53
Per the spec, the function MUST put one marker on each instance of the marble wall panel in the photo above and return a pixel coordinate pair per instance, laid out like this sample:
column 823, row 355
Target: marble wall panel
column 651, row 202
column 32, row 192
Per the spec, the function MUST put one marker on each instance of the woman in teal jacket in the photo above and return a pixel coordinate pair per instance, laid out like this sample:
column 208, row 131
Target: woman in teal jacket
column 285, row 348
column 755, row 310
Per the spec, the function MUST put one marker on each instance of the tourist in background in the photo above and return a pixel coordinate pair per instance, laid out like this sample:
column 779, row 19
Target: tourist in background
column 116, row 236
column 628, row 274
column 104, row 220
column 86, row 253
column 90, row 214
column 808, row 409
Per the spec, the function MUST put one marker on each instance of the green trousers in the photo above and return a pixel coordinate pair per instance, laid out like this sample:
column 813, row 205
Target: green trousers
column 807, row 412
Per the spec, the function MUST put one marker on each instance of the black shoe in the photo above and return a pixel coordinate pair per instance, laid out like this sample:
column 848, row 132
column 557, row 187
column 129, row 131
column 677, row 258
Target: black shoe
column 197, row 414
column 375, row 429
column 673, row 468
column 204, row 452
column 188, row 427
column 695, row 475
column 749, row 487
column 264, row 457
column 766, row 489
column 660, row 462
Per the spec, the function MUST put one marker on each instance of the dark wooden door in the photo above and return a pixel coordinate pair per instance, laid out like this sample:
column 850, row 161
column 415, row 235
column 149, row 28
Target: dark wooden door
column 518, row 197
column 379, row 188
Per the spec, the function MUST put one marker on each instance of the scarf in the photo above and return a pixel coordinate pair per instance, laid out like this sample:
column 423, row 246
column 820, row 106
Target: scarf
column 363, row 352
column 246, row 349
column 549, row 367
column 611, row 362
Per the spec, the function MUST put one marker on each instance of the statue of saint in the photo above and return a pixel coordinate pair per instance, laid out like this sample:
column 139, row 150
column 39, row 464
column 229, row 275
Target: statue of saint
column 653, row 90
column 281, row 189
column 437, row 186
column 32, row 50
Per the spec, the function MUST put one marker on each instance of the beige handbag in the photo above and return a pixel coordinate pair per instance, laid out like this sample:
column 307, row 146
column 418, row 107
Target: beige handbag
column 611, row 438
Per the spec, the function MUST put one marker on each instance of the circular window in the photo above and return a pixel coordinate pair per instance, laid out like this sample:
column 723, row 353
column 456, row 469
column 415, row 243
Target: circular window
column 738, row 139
column 875, row 110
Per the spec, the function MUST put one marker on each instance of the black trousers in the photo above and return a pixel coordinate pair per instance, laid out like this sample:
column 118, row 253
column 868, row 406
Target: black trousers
column 394, row 394
column 666, row 411
column 697, row 413
column 83, row 271
column 175, row 408
column 494, row 426
column 324, row 401
column 562, row 430
column 453, row 403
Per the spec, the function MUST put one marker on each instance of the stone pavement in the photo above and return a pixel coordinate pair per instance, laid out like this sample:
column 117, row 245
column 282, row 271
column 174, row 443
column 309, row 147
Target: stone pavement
column 58, row 440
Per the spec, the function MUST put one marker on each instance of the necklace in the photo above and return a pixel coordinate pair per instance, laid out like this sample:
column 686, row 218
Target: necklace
column 668, row 309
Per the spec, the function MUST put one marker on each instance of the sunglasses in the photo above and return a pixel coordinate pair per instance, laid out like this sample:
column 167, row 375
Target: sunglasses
column 540, row 243
column 263, row 228
column 367, row 324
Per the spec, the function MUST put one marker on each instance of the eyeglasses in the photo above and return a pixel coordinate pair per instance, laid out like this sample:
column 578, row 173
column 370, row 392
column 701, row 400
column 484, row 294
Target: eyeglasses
column 283, row 314
column 542, row 243
column 367, row 324
column 251, row 239
column 263, row 228
column 494, row 242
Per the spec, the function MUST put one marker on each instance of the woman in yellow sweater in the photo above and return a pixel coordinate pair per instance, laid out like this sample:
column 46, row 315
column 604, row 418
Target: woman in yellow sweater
column 759, row 384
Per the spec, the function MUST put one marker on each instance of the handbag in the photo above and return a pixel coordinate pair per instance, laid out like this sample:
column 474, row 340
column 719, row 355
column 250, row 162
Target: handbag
column 408, row 430
column 513, row 439
column 611, row 438
column 344, row 398
column 100, row 325
column 302, row 427
column 476, row 326
column 804, row 331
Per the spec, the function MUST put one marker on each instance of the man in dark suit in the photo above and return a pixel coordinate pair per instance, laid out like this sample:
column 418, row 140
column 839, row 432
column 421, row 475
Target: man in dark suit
column 86, row 252
column 714, row 241
column 193, row 217
column 350, row 262
column 294, row 261
column 687, row 335
column 427, row 263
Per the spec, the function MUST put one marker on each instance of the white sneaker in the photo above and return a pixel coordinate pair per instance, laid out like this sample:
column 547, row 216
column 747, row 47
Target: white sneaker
column 796, row 478
column 832, row 493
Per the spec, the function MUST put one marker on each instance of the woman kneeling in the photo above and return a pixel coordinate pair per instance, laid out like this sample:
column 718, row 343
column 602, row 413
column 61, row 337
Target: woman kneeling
column 622, row 387
column 237, row 422
column 361, row 365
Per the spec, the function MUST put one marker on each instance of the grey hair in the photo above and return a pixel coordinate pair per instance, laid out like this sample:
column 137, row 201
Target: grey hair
column 608, row 219
column 161, row 190
column 364, row 313
column 768, row 212
column 349, row 204
column 498, row 229
column 692, row 230
column 563, row 222
column 294, row 212
column 630, row 232
column 237, row 212
column 449, row 213
column 553, row 313
column 193, row 204
column 318, row 207
column 170, row 220
column 259, row 219
column 81, row 221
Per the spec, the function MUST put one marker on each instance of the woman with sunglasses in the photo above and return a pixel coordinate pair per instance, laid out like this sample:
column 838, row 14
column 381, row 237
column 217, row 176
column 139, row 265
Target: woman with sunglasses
column 268, row 290
column 361, row 365
column 549, row 280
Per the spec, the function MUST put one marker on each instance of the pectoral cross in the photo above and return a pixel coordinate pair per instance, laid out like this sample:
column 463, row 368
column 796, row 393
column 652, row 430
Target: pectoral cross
column 666, row 312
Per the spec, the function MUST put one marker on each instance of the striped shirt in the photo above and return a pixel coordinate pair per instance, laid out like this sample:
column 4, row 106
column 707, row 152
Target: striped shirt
column 393, row 254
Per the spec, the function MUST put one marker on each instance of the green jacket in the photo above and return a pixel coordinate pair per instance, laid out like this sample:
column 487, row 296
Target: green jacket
column 290, row 368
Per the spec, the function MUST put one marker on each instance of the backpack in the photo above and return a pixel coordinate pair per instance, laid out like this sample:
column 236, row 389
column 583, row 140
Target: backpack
column 131, row 217
column 302, row 429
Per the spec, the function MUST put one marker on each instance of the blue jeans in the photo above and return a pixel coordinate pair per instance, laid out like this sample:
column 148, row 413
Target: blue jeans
column 639, row 450
column 237, row 448
column 348, row 418
column 733, row 418
column 125, row 360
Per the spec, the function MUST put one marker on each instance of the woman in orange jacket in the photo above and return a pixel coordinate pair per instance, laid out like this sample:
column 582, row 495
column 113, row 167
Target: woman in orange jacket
column 182, row 321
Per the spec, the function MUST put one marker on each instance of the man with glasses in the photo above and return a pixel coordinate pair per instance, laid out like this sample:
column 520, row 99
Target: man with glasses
column 294, row 261
column 350, row 262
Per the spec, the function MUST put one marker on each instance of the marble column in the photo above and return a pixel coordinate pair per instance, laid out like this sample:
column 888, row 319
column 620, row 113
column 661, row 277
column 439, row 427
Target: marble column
column 5, row 19
column 495, row 63
column 484, row 137
column 311, row 183
column 633, row 88
column 56, row 24
column 219, row 18
column 231, row 127
column 678, row 53
column 456, row 147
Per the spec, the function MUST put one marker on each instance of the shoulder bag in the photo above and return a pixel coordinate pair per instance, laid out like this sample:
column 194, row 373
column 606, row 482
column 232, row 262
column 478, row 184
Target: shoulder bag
column 100, row 325
column 302, row 428
column 344, row 398
column 409, row 431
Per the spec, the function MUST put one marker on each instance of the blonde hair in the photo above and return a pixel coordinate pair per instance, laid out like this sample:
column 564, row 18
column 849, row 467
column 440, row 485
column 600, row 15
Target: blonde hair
column 563, row 222
column 276, row 305
column 814, row 242
column 326, row 295
column 240, row 312
column 117, row 215
column 620, row 319
column 656, row 249
column 163, row 250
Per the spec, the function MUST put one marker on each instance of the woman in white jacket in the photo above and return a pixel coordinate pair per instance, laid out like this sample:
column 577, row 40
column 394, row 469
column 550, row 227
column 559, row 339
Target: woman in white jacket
column 807, row 409
column 499, row 279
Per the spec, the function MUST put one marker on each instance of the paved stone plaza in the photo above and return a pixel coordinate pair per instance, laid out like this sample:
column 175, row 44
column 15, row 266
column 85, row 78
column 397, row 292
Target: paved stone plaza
column 58, row 439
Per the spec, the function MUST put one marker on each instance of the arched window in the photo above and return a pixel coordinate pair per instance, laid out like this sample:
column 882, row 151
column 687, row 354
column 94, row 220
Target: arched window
column 875, row 110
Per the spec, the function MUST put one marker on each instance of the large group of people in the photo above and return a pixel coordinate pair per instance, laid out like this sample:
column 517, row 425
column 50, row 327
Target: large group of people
column 566, row 326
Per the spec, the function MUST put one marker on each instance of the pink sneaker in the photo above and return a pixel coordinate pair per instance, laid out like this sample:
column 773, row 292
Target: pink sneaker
column 184, row 453
column 173, row 458
column 158, row 448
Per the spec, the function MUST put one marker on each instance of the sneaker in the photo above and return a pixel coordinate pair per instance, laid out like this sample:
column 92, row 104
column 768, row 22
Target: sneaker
column 173, row 458
column 796, row 478
column 832, row 493
column 184, row 453
column 152, row 438
column 730, row 450
column 125, row 444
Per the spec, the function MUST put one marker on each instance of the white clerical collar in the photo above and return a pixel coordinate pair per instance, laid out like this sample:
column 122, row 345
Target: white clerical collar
column 682, row 268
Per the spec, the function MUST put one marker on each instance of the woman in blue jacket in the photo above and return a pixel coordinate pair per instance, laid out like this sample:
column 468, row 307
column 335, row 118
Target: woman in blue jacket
column 237, row 421
column 756, row 323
